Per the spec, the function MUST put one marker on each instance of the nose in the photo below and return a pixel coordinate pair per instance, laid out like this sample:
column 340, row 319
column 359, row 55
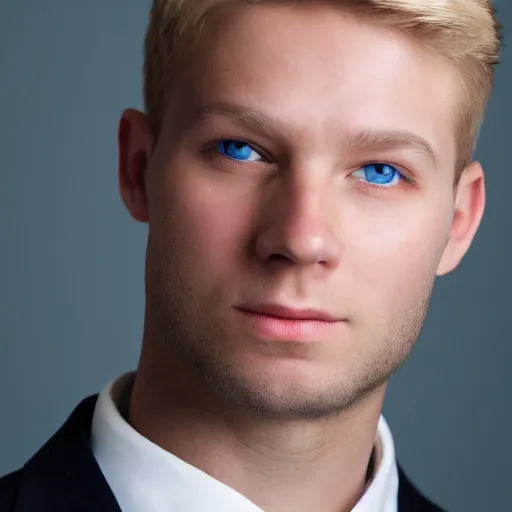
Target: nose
column 298, row 224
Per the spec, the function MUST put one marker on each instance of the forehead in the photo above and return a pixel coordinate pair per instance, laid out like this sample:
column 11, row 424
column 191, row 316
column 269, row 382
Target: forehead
column 320, row 72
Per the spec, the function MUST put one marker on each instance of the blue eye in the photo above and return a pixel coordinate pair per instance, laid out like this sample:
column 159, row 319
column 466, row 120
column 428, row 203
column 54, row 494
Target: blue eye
column 238, row 150
column 384, row 175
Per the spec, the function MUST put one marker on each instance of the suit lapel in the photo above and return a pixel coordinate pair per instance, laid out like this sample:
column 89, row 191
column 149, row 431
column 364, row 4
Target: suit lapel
column 410, row 499
column 64, row 475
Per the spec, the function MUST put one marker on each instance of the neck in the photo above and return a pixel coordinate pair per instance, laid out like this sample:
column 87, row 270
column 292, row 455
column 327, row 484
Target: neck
column 295, row 465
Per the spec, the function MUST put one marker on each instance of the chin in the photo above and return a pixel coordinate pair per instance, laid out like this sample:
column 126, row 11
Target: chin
column 293, row 388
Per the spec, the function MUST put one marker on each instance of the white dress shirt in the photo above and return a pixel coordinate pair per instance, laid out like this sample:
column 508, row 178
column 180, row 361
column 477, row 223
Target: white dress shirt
column 146, row 478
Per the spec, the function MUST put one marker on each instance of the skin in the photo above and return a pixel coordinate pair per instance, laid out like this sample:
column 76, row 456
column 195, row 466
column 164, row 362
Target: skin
column 290, row 425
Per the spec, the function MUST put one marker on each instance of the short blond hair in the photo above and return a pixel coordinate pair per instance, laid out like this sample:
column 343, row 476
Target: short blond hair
column 466, row 32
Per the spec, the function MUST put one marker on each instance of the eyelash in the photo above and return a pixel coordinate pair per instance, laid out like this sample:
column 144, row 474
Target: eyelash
column 406, row 178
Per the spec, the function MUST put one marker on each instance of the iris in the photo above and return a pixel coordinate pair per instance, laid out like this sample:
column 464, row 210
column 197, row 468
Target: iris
column 384, row 175
column 238, row 150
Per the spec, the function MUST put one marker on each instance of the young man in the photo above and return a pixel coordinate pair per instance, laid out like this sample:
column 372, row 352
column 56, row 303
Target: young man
column 305, row 171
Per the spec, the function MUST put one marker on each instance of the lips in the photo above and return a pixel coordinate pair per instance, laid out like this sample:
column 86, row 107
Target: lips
column 288, row 313
column 276, row 322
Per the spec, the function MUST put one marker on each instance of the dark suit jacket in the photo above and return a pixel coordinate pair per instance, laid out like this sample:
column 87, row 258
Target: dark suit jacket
column 64, row 476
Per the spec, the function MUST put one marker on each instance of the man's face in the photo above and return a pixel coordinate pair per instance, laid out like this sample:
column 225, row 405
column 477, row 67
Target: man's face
column 337, row 197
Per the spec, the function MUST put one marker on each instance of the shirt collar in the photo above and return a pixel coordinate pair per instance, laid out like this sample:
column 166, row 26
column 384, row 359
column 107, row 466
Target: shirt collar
column 147, row 478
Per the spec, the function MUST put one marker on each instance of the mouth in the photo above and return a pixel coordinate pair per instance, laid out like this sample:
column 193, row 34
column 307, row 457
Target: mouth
column 278, row 322
column 287, row 313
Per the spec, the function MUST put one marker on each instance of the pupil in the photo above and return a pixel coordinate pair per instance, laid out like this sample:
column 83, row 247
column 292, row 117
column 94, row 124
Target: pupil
column 239, row 144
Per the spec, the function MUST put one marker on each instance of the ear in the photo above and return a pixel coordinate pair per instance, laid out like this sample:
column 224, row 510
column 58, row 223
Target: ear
column 135, row 144
column 469, row 209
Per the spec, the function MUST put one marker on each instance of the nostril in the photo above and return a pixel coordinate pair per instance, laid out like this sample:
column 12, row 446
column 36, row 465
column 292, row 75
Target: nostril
column 278, row 258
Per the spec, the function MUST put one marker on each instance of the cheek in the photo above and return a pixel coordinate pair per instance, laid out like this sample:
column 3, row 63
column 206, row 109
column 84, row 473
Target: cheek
column 208, row 222
column 397, row 258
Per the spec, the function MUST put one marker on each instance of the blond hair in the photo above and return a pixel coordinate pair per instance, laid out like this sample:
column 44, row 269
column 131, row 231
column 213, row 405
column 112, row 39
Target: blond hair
column 465, row 32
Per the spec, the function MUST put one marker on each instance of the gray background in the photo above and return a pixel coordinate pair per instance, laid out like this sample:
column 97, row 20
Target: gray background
column 71, row 260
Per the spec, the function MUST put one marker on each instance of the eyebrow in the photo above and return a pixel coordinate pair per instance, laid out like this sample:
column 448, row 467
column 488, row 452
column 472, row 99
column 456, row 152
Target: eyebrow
column 249, row 117
column 366, row 139
column 388, row 139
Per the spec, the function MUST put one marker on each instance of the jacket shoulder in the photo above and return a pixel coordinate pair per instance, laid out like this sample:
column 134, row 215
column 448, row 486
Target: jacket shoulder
column 8, row 491
column 58, row 477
